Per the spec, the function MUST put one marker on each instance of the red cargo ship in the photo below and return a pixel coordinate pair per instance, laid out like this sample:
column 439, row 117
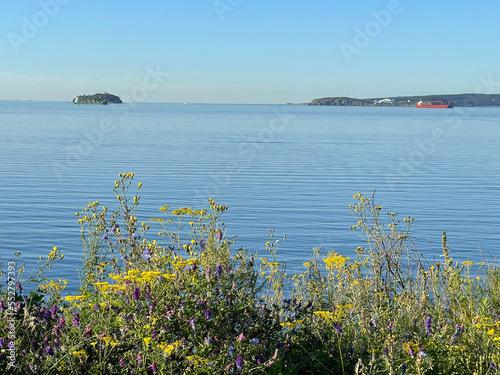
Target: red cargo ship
column 433, row 104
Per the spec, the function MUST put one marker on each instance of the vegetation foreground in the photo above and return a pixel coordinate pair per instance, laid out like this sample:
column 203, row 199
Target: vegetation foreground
column 190, row 305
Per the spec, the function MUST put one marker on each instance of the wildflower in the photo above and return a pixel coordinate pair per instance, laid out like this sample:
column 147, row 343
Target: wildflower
column 88, row 332
column 104, row 236
column 410, row 350
column 455, row 334
column 403, row 368
column 208, row 313
column 19, row 287
column 389, row 327
column 219, row 270
column 53, row 311
column 231, row 351
column 202, row 244
column 135, row 236
column 76, row 320
column 146, row 255
column 428, row 326
column 136, row 294
column 2, row 342
column 139, row 357
column 240, row 337
column 260, row 360
column 239, row 361
column 192, row 322
column 385, row 351
column 49, row 351
column 122, row 363
column 153, row 367
column 337, row 327
column 254, row 341
column 60, row 324
column 2, row 306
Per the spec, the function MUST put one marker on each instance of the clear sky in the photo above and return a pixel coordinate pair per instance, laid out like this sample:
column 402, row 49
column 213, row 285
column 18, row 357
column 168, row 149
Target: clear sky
column 246, row 51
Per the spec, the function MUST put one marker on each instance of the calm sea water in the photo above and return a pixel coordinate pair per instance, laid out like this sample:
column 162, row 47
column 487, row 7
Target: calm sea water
column 293, row 169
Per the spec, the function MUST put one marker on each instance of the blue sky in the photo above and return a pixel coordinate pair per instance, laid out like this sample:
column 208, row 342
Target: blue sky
column 246, row 51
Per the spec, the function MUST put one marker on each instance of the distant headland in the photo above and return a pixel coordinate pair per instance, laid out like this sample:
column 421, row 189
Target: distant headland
column 101, row 98
column 458, row 100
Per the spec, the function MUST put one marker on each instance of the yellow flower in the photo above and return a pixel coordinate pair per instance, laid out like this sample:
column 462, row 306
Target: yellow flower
column 103, row 286
column 324, row 314
column 73, row 298
column 147, row 340
column 491, row 332
column 468, row 263
column 80, row 353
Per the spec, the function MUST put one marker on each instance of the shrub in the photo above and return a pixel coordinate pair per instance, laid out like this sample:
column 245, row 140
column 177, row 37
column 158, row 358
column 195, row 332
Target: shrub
column 192, row 304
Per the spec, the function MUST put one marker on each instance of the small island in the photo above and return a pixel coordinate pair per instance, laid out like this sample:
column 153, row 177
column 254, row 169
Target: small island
column 102, row 98
column 458, row 100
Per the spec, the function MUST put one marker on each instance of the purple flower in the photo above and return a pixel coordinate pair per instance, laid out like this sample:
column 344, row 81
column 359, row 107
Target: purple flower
column 104, row 236
column 154, row 335
column 122, row 363
column 49, row 351
column 146, row 255
column 456, row 333
column 61, row 322
column 410, row 350
column 136, row 236
column 385, row 351
column 403, row 368
column 139, row 357
column 153, row 367
column 2, row 342
column 88, row 332
column 76, row 320
column 208, row 313
column 231, row 351
column 2, row 307
column 389, row 327
column 337, row 327
column 19, row 287
column 219, row 270
column 192, row 322
column 260, row 360
column 136, row 295
column 46, row 316
column 428, row 325
column 254, row 341
column 239, row 361
column 53, row 311
column 202, row 244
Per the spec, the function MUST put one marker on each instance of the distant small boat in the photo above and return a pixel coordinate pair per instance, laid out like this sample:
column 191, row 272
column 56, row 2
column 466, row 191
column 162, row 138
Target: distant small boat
column 433, row 104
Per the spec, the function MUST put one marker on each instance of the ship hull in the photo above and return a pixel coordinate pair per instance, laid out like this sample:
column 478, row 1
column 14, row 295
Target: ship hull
column 434, row 106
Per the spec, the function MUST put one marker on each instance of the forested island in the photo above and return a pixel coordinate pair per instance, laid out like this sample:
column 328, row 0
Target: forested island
column 101, row 98
column 458, row 100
